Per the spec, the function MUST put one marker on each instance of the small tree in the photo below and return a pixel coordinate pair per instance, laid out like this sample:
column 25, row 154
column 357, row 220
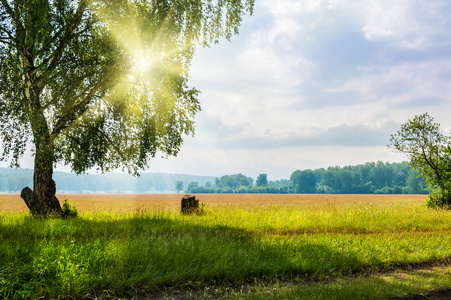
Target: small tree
column 191, row 185
column 303, row 181
column 262, row 180
column 244, row 181
column 178, row 186
column 429, row 153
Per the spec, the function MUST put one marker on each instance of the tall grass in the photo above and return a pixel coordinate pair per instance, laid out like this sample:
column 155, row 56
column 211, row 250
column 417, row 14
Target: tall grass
column 125, row 253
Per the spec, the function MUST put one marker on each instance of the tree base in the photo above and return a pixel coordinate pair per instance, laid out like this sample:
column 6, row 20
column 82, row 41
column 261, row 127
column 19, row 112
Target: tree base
column 40, row 207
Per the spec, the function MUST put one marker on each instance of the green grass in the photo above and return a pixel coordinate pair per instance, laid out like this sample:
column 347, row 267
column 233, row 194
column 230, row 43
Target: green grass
column 379, row 286
column 123, row 254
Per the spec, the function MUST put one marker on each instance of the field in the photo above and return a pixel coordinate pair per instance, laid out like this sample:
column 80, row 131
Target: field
column 243, row 246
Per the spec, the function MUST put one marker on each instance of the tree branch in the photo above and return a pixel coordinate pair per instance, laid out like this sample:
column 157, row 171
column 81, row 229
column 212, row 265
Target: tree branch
column 5, row 41
column 7, row 32
column 67, row 119
column 105, row 136
column 9, row 10
column 68, row 30
column 58, row 74
column 433, row 166
column 54, row 53
column 15, row 17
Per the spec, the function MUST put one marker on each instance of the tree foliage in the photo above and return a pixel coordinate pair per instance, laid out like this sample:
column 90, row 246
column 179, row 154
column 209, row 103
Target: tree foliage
column 369, row 178
column 179, row 186
column 74, row 66
column 303, row 181
column 233, row 181
column 429, row 153
column 262, row 180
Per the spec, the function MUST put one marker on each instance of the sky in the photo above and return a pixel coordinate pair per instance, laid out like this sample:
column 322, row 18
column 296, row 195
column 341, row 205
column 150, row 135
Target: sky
column 316, row 83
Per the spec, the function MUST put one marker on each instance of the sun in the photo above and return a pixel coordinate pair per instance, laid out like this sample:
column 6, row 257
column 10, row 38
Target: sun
column 143, row 63
column 132, row 40
column 148, row 55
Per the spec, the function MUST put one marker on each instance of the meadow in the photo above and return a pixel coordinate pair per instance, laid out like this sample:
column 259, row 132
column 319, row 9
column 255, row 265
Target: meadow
column 242, row 246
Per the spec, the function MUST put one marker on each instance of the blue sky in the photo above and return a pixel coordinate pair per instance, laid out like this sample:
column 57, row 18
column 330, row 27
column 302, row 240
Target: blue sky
column 316, row 83
column 310, row 84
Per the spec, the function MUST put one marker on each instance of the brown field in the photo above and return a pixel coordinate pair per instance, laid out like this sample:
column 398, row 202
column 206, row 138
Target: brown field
column 171, row 202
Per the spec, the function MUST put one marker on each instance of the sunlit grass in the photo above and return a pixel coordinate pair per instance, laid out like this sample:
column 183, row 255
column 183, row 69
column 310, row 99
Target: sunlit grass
column 119, row 252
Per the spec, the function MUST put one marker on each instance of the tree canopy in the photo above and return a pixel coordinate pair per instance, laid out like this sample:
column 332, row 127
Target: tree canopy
column 178, row 186
column 262, row 180
column 102, row 83
column 303, row 181
column 429, row 153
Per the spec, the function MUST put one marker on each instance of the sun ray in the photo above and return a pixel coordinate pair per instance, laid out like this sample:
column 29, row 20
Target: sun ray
column 147, row 52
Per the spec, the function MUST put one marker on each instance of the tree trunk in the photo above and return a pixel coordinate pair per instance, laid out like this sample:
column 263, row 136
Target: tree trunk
column 42, row 200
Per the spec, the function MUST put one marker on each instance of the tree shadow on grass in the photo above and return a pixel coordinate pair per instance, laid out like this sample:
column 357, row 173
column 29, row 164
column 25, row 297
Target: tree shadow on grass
column 398, row 285
column 140, row 253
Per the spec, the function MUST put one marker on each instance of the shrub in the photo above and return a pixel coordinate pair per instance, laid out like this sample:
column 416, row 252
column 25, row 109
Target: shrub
column 439, row 200
column 69, row 210
column 202, row 209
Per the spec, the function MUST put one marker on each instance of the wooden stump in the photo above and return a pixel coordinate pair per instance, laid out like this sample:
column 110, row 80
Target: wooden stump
column 190, row 204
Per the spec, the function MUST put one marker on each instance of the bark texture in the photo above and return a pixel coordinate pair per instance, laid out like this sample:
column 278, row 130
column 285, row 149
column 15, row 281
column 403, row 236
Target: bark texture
column 42, row 200
column 190, row 204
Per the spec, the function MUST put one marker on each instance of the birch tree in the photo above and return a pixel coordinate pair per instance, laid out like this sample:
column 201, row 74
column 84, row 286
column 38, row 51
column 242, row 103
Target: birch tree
column 101, row 84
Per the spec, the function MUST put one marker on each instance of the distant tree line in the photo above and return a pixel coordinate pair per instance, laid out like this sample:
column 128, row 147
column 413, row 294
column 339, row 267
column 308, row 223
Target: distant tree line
column 13, row 180
column 240, row 184
column 370, row 178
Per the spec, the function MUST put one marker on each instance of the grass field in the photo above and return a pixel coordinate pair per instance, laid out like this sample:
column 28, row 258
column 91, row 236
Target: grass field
column 245, row 246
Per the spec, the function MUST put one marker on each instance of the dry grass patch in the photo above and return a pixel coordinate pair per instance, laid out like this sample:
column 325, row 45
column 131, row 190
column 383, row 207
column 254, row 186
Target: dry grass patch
column 171, row 202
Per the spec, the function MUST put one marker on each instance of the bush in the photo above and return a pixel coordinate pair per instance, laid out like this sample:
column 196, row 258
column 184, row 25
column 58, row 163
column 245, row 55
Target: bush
column 439, row 200
column 202, row 209
column 69, row 210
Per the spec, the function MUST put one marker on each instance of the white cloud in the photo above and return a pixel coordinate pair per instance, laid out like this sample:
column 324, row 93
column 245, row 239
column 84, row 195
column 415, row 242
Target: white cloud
column 311, row 66
column 267, row 62
column 333, row 66
column 411, row 24
column 342, row 135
